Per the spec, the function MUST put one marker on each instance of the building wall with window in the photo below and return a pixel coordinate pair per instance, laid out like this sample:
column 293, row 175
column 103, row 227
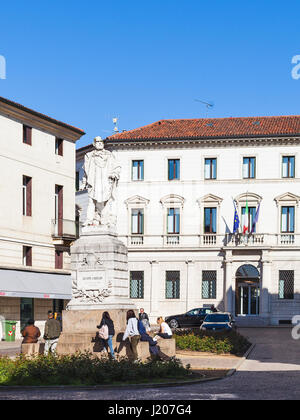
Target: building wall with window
column 190, row 182
column 32, row 163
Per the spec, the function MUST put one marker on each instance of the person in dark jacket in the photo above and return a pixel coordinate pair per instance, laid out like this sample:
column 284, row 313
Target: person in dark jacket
column 106, row 320
column 145, row 319
column 153, row 347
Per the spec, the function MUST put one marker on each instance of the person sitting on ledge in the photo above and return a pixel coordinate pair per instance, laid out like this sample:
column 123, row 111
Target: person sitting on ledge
column 30, row 333
column 165, row 331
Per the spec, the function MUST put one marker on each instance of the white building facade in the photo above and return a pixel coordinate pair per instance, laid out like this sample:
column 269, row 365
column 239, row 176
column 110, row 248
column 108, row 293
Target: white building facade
column 180, row 184
column 37, row 223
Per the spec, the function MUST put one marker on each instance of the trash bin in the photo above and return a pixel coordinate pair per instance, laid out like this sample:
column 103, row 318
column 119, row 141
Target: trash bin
column 10, row 330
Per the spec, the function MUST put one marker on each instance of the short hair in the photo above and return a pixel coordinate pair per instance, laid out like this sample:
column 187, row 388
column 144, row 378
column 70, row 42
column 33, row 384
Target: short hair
column 30, row 321
column 50, row 313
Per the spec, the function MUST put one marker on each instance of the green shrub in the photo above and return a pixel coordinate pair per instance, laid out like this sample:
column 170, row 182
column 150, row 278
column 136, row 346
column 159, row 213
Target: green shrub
column 84, row 369
column 211, row 342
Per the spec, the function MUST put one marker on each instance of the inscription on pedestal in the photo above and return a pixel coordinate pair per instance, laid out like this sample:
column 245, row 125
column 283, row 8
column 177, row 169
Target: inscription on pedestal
column 91, row 286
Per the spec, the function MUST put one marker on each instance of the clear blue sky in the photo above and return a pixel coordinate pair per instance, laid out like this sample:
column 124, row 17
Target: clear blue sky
column 86, row 62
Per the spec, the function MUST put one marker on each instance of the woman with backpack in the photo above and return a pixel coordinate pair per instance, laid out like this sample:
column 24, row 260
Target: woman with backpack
column 107, row 331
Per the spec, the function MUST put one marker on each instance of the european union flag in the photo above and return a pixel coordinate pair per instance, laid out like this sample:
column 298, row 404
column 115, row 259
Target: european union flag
column 236, row 223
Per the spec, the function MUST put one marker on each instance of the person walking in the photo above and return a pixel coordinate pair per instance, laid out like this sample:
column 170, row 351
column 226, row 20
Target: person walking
column 31, row 333
column 132, row 332
column 106, row 320
column 143, row 317
column 164, row 331
column 51, row 333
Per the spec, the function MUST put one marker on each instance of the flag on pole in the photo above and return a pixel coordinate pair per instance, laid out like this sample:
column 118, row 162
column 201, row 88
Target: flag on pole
column 246, row 219
column 255, row 219
column 236, row 223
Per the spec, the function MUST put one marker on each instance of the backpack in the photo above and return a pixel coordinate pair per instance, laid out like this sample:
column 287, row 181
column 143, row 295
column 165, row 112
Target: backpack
column 141, row 328
column 103, row 332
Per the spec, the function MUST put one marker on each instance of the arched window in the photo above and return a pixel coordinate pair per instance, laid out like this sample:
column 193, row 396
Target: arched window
column 247, row 271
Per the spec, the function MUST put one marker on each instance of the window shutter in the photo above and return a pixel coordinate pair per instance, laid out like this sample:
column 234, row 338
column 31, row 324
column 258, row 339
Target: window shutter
column 29, row 197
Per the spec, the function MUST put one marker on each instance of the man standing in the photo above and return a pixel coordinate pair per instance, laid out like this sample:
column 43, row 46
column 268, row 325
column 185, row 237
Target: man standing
column 145, row 319
column 51, row 333
column 101, row 174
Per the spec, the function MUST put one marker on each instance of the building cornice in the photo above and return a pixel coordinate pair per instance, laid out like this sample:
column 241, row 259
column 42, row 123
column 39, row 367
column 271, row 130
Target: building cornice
column 39, row 121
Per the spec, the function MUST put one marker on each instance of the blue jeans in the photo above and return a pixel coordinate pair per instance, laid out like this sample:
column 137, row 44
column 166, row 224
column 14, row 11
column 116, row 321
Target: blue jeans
column 110, row 344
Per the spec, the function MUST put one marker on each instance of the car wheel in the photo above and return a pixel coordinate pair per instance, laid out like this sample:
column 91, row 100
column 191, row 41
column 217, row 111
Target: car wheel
column 173, row 323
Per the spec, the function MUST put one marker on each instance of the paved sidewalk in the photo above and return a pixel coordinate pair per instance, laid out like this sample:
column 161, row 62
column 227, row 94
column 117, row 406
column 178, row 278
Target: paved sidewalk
column 10, row 348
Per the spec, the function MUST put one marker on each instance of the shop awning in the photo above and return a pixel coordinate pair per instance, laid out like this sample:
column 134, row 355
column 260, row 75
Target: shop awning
column 29, row 284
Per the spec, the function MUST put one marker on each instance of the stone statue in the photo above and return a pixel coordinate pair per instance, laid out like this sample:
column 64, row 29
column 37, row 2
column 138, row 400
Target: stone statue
column 101, row 176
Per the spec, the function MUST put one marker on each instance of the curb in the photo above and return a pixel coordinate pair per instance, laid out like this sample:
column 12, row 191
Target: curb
column 240, row 362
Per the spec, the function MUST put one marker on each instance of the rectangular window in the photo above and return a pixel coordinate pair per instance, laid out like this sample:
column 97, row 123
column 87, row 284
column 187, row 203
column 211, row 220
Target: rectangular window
column 286, row 284
column 247, row 220
column 288, row 167
column 210, row 168
column 137, row 170
column 26, row 311
column 137, row 222
column 249, row 167
column 27, row 193
column 137, row 284
column 173, row 169
column 172, row 284
column 59, row 260
column 58, row 210
column 27, row 256
column 209, row 285
column 287, row 219
column 173, row 223
column 59, row 146
column 77, row 181
column 210, row 220
column 27, row 135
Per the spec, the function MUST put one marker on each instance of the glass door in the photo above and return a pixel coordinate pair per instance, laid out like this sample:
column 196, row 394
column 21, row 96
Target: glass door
column 247, row 299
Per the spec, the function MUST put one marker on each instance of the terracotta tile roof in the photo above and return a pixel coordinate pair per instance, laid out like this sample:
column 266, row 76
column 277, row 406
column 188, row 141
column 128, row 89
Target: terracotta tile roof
column 214, row 128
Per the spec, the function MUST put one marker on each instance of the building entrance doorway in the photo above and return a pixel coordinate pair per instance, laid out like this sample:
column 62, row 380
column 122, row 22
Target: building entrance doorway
column 247, row 291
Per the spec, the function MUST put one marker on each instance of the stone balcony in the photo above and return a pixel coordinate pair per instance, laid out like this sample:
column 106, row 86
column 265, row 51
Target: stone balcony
column 256, row 240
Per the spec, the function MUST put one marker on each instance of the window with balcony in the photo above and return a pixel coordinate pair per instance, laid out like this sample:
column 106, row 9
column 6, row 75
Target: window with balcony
column 287, row 219
column 172, row 284
column 27, row 196
column 173, row 169
column 173, row 223
column 210, row 168
column 288, row 167
column 249, row 167
column 137, row 170
column 248, row 219
column 136, row 284
column 210, row 220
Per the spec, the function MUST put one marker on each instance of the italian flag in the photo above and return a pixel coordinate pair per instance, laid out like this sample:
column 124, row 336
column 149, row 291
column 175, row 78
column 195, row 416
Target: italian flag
column 246, row 219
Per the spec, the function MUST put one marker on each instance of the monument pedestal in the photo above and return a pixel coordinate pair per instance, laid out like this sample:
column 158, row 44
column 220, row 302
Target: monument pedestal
column 99, row 264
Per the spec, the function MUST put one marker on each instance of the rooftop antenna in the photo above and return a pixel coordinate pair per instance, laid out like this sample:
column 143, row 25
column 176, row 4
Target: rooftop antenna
column 209, row 105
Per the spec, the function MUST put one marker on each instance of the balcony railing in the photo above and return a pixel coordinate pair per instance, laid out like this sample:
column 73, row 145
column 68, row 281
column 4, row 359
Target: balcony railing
column 64, row 229
column 212, row 240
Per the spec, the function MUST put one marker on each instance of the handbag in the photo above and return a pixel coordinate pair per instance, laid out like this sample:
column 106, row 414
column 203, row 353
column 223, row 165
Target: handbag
column 103, row 332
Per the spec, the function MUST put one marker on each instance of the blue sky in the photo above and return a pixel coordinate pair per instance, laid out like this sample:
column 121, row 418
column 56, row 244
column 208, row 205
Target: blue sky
column 87, row 62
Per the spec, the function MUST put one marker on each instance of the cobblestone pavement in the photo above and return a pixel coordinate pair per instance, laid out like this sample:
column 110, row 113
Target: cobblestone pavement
column 272, row 371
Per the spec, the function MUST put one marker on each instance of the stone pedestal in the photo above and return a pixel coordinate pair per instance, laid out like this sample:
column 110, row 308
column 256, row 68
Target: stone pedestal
column 99, row 264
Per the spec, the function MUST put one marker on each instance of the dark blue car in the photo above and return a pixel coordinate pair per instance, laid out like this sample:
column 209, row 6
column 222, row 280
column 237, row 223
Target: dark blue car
column 220, row 321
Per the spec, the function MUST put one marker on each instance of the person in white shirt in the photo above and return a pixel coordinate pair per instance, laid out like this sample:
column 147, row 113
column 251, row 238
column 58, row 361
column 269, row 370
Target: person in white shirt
column 165, row 331
column 132, row 332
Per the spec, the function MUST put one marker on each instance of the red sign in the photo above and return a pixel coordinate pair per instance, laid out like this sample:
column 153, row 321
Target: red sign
column 46, row 296
column 2, row 294
column 10, row 333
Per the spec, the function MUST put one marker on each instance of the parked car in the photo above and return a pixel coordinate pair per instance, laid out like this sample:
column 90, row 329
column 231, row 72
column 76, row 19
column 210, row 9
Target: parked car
column 220, row 321
column 193, row 318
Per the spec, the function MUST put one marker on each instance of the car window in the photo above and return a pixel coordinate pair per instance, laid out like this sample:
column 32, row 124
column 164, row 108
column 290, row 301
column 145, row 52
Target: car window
column 193, row 312
column 217, row 318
